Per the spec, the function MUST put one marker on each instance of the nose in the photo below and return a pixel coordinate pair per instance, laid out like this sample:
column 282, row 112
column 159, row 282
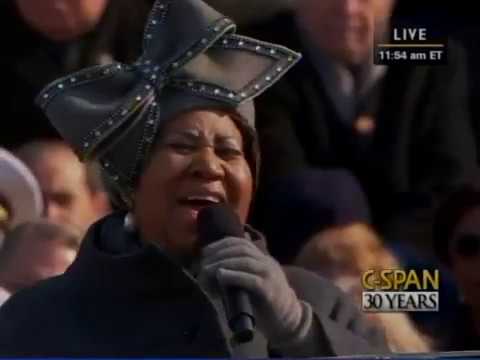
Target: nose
column 207, row 165
column 54, row 212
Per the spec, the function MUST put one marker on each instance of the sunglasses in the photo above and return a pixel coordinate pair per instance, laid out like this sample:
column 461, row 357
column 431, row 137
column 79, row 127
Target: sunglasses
column 468, row 245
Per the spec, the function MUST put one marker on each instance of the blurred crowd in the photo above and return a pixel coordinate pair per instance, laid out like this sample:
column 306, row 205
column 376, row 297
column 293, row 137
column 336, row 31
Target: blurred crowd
column 363, row 166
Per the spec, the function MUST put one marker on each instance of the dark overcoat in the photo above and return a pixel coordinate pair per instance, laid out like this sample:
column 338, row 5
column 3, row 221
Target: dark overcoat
column 118, row 301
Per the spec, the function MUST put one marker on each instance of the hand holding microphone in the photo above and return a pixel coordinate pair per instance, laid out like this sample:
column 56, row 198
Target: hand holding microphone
column 236, row 262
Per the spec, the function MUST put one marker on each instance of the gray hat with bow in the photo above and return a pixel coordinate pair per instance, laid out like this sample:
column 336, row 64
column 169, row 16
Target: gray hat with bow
column 192, row 59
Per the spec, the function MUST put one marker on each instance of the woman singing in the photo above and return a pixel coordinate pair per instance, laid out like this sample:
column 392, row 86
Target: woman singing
column 174, row 133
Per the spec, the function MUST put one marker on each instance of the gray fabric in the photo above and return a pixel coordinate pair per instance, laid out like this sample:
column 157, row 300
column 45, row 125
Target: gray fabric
column 278, row 312
column 192, row 59
column 340, row 324
column 317, row 330
column 258, row 345
column 306, row 342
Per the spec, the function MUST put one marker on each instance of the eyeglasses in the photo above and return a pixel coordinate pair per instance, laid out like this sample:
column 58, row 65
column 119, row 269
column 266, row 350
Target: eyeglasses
column 468, row 245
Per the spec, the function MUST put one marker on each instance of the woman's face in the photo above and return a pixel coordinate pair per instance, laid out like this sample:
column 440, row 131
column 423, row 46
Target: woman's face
column 198, row 161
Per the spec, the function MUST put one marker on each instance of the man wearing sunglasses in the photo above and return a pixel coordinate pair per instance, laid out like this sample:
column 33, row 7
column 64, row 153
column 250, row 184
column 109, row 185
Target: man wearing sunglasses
column 457, row 244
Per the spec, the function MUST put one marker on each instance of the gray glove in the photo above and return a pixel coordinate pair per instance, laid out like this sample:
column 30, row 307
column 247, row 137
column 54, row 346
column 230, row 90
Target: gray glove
column 280, row 315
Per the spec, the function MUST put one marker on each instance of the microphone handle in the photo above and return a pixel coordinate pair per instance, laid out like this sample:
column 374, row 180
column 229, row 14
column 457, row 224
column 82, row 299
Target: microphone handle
column 239, row 313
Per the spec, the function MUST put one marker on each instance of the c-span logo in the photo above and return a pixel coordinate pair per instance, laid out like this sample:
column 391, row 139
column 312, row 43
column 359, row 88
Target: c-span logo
column 400, row 290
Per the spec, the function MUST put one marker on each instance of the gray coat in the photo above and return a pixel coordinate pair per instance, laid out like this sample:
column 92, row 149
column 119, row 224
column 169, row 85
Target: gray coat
column 121, row 300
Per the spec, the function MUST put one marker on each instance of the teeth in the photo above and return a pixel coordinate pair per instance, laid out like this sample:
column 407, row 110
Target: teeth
column 203, row 198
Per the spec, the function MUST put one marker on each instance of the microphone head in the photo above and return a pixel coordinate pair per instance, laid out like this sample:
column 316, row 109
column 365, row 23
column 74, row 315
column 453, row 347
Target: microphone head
column 217, row 222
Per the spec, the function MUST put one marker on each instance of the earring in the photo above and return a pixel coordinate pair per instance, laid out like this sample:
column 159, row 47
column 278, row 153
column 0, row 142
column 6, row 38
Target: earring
column 129, row 223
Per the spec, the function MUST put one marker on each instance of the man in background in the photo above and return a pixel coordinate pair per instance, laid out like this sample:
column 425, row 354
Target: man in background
column 48, row 39
column 33, row 252
column 73, row 191
column 403, row 131
column 20, row 195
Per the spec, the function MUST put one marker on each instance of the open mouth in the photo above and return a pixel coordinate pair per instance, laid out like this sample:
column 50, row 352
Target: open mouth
column 201, row 201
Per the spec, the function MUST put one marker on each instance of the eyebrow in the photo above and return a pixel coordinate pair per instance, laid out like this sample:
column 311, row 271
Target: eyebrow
column 195, row 135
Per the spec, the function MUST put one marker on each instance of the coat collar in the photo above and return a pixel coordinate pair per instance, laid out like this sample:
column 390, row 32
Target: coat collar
column 116, row 260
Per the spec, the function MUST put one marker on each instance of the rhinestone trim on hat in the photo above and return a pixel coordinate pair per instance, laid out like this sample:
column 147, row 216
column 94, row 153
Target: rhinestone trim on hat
column 153, row 77
column 211, row 35
column 79, row 78
column 157, row 16
column 114, row 121
column 149, row 133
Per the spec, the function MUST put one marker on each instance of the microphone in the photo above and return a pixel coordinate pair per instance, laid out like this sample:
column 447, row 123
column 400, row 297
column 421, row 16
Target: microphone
column 215, row 223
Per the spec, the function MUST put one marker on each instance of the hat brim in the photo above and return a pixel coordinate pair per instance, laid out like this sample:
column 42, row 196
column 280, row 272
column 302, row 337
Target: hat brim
column 20, row 189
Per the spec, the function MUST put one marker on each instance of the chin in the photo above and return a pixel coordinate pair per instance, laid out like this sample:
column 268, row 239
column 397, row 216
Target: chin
column 183, row 244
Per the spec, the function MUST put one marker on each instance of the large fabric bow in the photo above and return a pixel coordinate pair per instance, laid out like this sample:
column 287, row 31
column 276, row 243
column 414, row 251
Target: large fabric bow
column 191, row 55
